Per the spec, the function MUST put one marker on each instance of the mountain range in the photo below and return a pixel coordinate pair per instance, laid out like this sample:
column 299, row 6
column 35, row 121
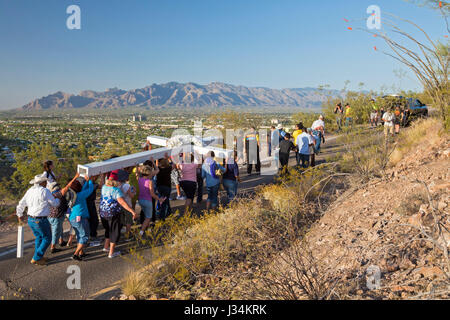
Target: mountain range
column 215, row 94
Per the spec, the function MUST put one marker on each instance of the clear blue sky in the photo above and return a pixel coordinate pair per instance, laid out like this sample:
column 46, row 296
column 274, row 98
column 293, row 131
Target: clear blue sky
column 134, row 43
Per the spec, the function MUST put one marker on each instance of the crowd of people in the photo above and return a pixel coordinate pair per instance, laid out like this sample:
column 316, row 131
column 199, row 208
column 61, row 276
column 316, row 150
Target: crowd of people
column 150, row 185
column 304, row 142
column 391, row 119
column 50, row 203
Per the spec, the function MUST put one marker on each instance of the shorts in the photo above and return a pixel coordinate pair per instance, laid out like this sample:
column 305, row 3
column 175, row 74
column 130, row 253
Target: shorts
column 175, row 177
column 373, row 116
column 189, row 188
column 147, row 208
column 213, row 194
column 112, row 228
column 126, row 218
column 81, row 230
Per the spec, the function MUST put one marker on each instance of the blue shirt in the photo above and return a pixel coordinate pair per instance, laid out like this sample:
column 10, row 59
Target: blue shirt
column 206, row 173
column 303, row 142
column 80, row 207
column 109, row 206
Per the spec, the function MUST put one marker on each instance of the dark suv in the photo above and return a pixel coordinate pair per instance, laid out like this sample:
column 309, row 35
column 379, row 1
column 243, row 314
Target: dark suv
column 416, row 108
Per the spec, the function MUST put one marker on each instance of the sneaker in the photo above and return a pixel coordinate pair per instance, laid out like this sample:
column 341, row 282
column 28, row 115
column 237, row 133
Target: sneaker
column 94, row 243
column 42, row 262
column 115, row 254
column 181, row 198
column 105, row 250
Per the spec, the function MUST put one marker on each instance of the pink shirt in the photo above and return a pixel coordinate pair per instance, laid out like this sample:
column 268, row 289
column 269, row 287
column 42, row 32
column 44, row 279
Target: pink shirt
column 144, row 189
column 189, row 172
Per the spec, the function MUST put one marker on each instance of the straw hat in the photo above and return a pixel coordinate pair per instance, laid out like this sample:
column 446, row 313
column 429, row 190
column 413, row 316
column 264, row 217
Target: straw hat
column 38, row 179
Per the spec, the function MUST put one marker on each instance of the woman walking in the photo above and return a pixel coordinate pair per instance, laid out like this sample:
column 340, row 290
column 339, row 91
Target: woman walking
column 211, row 171
column 111, row 204
column 188, row 179
column 48, row 172
column 231, row 178
column 58, row 214
column 164, row 186
column 146, row 194
column 79, row 216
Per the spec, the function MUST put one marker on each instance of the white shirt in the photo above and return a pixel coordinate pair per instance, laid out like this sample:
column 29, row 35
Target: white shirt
column 49, row 177
column 38, row 200
column 303, row 142
column 125, row 187
column 388, row 118
column 317, row 124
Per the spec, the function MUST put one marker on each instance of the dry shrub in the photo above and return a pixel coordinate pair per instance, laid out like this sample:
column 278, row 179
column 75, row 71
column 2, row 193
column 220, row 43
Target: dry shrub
column 216, row 253
column 367, row 155
column 296, row 275
column 136, row 284
column 423, row 131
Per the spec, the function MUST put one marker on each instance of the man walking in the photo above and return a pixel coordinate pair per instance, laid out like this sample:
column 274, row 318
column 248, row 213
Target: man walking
column 388, row 119
column 318, row 130
column 304, row 142
column 38, row 199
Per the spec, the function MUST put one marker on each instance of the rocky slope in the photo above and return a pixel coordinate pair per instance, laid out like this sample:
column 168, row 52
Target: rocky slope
column 390, row 224
column 178, row 94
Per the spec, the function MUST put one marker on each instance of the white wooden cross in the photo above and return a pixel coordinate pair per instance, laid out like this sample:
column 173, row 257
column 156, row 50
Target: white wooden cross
column 97, row 168
column 202, row 150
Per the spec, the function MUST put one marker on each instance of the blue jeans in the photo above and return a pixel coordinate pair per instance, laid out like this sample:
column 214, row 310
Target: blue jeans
column 213, row 194
column 42, row 232
column 348, row 121
column 147, row 208
column 81, row 230
column 231, row 188
column 56, row 225
column 164, row 208
column 316, row 136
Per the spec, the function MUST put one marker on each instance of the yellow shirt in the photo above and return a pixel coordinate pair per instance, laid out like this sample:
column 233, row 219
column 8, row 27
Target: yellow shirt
column 295, row 134
column 348, row 112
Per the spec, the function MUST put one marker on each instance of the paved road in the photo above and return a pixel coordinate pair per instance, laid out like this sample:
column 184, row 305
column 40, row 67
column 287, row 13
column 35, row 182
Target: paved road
column 20, row 279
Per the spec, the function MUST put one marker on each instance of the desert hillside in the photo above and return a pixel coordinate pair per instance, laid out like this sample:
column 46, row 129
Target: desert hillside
column 398, row 223
column 369, row 223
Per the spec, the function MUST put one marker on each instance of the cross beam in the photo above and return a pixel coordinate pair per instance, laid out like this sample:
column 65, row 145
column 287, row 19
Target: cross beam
column 96, row 168
column 219, row 152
